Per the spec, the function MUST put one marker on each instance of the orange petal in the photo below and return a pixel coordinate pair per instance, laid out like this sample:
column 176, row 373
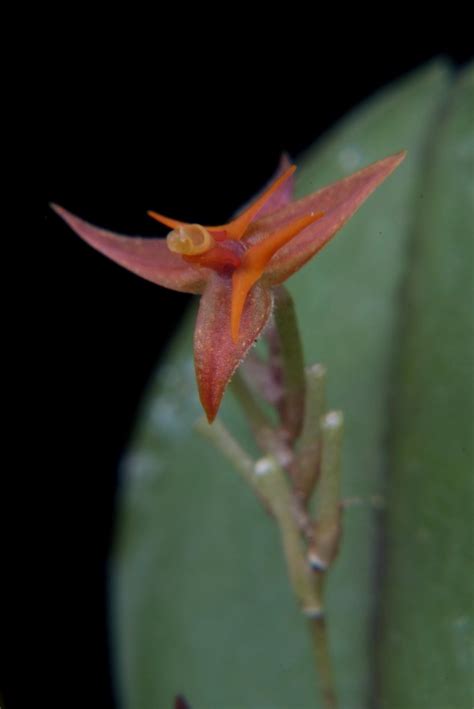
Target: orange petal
column 236, row 228
column 242, row 282
column 260, row 254
column 217, row 232
column 172, row 223
column 339, row 201
column 256, row 259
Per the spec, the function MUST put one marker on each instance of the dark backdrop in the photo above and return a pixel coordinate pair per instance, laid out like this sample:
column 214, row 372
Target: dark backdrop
column 184, row 127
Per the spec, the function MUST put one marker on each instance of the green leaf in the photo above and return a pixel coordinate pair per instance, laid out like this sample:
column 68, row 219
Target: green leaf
column 426, row 638
column 202, row 605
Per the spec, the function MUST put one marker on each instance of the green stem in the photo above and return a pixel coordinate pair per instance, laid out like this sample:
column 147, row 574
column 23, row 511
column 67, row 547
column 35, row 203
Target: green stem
column 224, row 441
column 266, row 436
column 267, row 479
column 327, row 526
column 309, row 448
column 271, row 480
column 322, row 660
column 307, row 586
column 291, row 353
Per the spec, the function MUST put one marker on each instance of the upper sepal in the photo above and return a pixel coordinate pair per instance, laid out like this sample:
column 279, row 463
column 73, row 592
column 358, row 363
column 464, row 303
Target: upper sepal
column 216, row 355
column 149, row 258
column 285, row 193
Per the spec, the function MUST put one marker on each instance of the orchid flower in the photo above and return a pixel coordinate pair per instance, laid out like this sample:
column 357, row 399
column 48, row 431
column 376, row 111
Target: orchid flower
column 235, row 266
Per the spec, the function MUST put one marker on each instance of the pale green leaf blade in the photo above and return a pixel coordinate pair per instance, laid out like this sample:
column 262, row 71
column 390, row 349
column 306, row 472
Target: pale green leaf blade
column 427, row 635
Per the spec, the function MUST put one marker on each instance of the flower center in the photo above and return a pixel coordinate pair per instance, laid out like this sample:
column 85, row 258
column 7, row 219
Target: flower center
column 190, row 240
column 198, row 246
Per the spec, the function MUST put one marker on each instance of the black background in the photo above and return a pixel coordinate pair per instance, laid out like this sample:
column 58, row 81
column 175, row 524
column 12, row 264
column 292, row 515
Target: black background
column 117, row 121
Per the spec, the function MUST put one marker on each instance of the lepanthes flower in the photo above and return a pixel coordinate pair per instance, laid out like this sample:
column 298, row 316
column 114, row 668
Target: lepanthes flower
column 235, row 266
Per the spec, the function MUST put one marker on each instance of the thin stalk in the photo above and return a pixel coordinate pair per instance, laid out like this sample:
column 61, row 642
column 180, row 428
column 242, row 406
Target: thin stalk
column 271, row 480
column 309, row 445
column 292, row 363
column 323, row 662
column 307, row 586
column 224, row 441
column 266, row 436
column 327, row 525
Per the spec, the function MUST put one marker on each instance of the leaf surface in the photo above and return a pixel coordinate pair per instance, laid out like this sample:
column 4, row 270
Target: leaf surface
column 202, row 605
column 427, row 633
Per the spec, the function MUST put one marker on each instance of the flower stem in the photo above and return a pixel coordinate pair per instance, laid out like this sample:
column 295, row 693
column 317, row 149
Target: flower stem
column 268, row 481
column 224, row 441
column 292, row 363
column 271, row 480
column 322, row 660
column 266, row 436
column 309, row 445
column 327, row 525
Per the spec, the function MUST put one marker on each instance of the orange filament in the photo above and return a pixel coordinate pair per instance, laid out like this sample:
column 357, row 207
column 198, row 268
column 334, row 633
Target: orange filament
column 217, row 232
column 172, row 223
column 237, row 227
column 254, row 262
